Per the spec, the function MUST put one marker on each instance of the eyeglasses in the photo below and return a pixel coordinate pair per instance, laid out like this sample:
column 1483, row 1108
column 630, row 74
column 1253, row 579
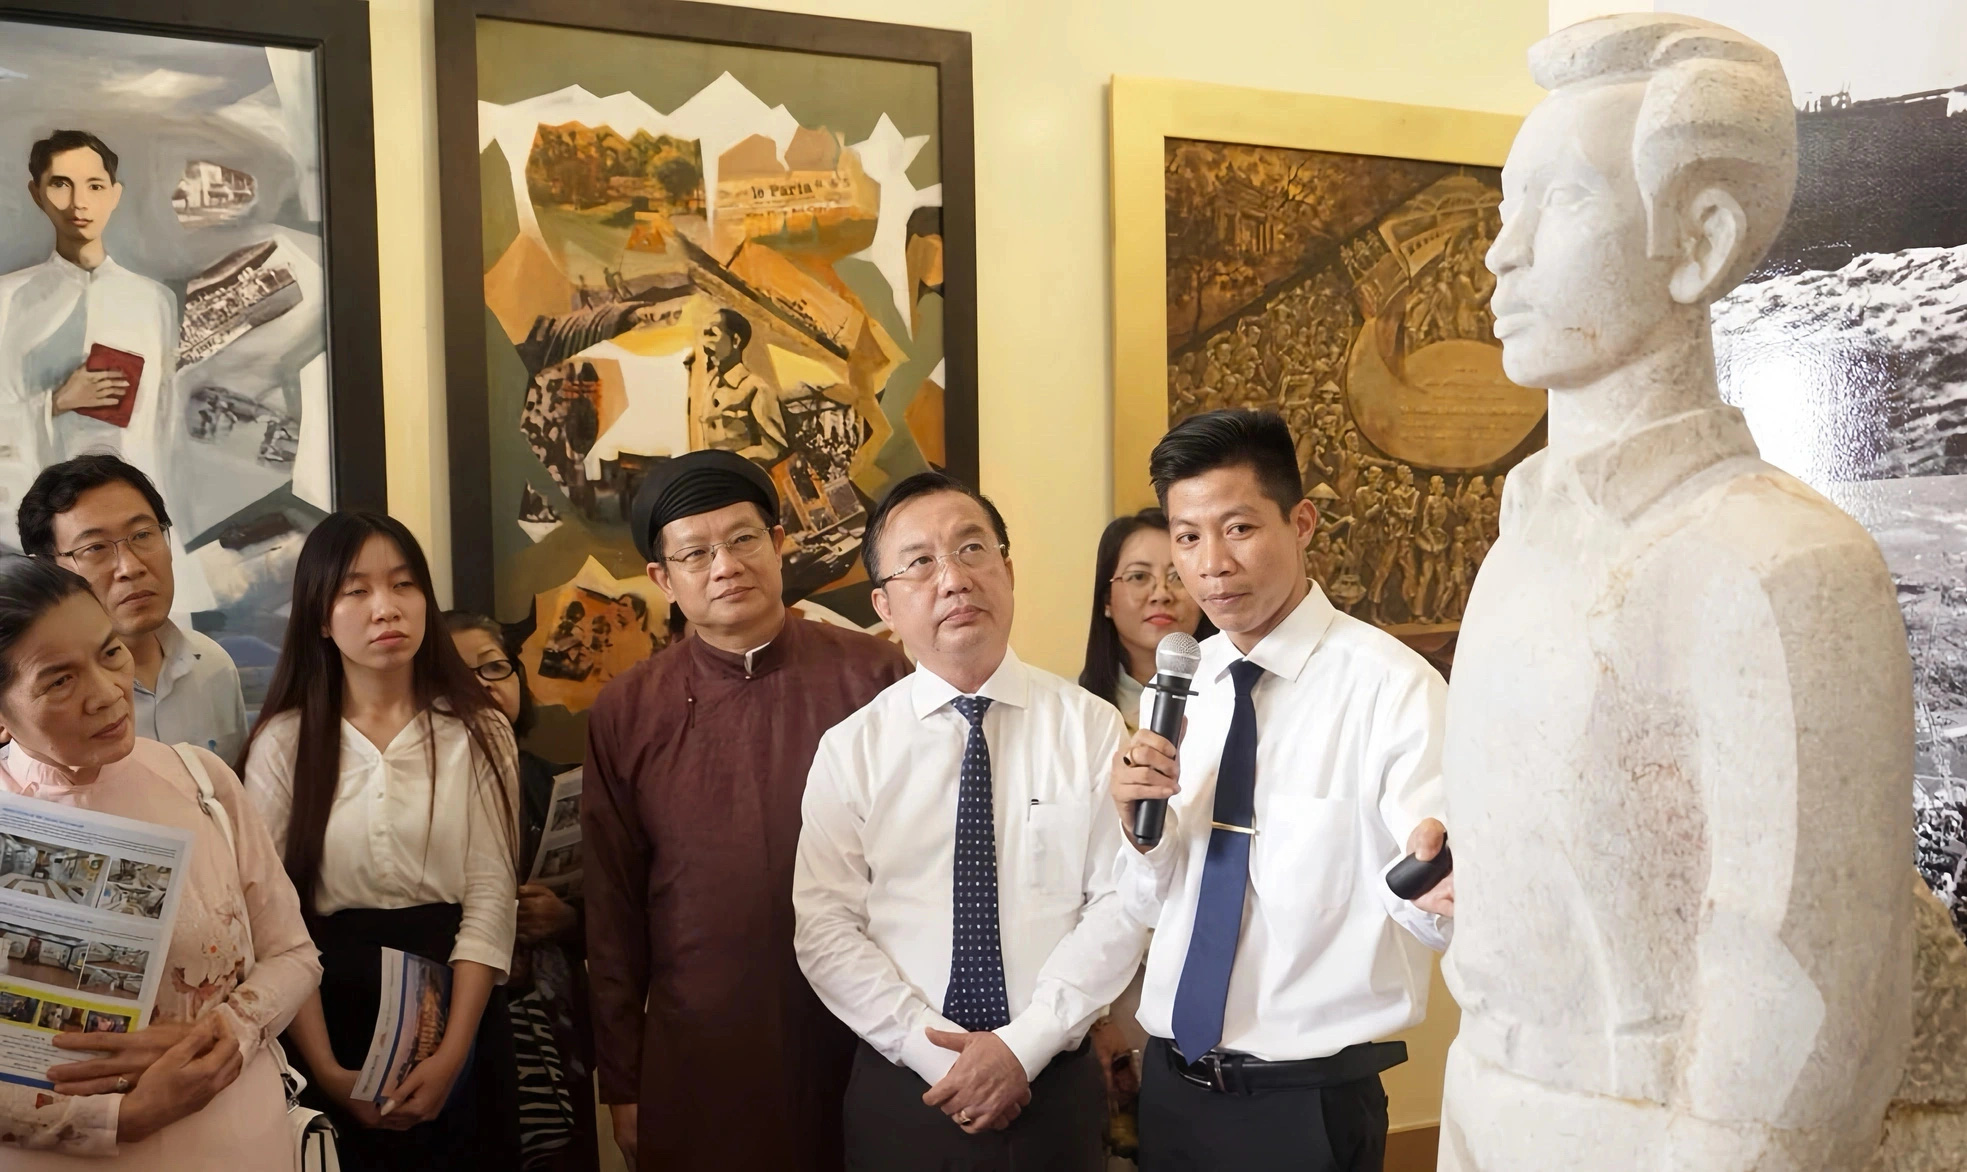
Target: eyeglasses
column 745, row 543
column 1143, row 581
column 494, row 670
column 974, row 555
column 144, row 544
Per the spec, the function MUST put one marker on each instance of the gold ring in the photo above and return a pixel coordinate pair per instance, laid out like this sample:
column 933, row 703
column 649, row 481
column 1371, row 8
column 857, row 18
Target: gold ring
column 122, row 1084
column 1127, row 761
column 963, row 1117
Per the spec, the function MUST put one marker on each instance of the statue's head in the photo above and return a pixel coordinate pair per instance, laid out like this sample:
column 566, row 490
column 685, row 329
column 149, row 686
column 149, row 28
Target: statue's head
column 1647, row 185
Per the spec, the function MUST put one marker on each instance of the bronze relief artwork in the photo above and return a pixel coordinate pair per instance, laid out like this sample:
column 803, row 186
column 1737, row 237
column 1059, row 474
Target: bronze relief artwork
column 1347, row 292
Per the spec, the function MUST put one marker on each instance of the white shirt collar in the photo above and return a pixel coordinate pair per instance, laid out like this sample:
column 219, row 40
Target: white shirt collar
column 69, row 268
column 178, row 660
column 1285, row 651
column 1009, row 684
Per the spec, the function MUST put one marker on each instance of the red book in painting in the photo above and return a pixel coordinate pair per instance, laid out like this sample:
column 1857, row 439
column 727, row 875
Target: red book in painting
column 130, row 366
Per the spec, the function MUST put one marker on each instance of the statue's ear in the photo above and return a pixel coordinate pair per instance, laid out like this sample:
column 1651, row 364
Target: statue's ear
column 1713, row 230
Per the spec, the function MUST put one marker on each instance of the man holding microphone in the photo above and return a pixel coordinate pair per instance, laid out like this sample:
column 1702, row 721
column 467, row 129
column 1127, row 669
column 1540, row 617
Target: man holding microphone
column 1310, row 765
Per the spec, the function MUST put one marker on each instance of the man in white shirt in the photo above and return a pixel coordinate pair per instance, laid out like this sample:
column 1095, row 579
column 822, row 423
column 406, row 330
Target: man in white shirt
column 1311, row 763
column 53, row 315
column 955, row 878
column 105, row 520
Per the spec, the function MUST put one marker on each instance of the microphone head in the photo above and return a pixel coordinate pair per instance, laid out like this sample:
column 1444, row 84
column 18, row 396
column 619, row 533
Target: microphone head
column 1178, row 655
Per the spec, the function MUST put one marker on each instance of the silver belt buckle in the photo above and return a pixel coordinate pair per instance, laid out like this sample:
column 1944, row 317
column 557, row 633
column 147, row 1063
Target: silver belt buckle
column 1212, row 1062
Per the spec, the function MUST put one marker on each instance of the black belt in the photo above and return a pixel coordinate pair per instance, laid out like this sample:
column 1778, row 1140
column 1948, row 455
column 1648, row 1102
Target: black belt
column 1240, row 1074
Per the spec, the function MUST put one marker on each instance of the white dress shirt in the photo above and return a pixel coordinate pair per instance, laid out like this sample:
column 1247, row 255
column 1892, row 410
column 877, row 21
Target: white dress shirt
column 873, row 883
column 1127, row 696
column 389, row 844
column 197, row 700
column 50, row 315
column 1349, row 724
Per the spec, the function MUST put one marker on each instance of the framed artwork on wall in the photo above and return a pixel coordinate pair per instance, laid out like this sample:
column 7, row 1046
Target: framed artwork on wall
column 675, row 226
column 188, row 278
column 1323, row 258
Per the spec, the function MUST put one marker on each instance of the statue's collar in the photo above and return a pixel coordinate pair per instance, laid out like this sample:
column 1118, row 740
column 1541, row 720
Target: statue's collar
column 1626, row 475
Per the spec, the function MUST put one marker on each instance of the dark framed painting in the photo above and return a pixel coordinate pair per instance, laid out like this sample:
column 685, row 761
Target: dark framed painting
column 671, row 227
column 188, row 278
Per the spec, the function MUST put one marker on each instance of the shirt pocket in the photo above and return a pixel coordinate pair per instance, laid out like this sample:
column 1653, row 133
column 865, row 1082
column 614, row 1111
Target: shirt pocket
column 1306, row 854
column 1055, row 848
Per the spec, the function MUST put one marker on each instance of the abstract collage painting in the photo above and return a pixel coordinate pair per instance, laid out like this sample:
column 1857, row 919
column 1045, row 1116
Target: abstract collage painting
column 685, row 246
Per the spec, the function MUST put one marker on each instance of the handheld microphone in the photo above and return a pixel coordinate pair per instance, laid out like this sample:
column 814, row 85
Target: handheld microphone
column 1175, row 662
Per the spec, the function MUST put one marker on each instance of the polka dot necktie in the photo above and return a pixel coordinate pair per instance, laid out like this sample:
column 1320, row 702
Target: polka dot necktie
column 1203, row 990
column 975, row 999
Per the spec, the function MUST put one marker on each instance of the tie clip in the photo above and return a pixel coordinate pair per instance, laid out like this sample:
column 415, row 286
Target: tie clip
column 1250, row 830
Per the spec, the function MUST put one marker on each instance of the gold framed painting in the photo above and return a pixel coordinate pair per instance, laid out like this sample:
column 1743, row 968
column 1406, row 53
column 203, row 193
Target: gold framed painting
column 1323, row 257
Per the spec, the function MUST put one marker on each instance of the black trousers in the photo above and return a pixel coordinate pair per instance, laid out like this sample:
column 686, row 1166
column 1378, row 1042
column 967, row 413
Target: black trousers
column 890, row 1128
column 1187, row 1128
column 478, row 1129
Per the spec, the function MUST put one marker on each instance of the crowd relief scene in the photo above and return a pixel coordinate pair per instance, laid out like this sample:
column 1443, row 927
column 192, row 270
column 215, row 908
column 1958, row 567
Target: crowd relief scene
column 737, row 836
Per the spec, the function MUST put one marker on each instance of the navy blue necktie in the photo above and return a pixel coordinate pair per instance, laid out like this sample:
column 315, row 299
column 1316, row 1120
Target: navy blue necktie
column 1204, row 986
column 975, row 999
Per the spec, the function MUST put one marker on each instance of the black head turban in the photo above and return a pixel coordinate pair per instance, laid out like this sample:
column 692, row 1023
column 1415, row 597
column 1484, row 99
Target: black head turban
column 699, row 482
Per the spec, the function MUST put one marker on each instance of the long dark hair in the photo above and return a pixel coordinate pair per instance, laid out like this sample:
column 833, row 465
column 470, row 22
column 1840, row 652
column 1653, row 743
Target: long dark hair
column 1106, row 655
column 309, row 680
column 29, row 589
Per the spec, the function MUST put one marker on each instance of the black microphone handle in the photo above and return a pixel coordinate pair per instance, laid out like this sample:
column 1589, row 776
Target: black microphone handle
column 1170, row 699
column 1149, row 814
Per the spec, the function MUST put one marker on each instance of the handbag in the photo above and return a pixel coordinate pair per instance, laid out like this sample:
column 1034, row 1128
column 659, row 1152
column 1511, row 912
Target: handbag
column 313, row 1132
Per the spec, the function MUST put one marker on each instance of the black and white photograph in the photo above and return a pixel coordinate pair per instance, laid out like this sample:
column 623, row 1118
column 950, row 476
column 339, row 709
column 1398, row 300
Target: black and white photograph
column 559, row 862
column 1847, row 348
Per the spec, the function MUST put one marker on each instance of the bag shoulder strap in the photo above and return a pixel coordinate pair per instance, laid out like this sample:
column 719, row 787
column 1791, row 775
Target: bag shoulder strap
column 208, row 798
column 208, row 801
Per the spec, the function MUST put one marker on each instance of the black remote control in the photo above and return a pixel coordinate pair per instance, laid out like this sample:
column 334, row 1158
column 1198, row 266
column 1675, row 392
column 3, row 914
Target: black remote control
column 1411, row 878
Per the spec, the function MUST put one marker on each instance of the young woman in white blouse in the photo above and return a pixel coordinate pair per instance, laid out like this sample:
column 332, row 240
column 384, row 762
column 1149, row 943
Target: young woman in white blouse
column 389, row 781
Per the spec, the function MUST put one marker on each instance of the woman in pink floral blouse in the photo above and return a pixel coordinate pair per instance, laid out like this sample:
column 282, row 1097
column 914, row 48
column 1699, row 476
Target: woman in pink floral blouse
column 197, row 1088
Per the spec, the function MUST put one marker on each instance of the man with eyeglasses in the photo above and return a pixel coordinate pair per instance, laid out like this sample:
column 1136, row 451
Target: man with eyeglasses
column 105, row 520
column 696, row 763
column 955, row 882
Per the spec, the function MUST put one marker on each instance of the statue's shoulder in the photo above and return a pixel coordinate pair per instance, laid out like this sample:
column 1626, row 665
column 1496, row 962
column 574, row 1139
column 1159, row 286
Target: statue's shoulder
column 1762, row 523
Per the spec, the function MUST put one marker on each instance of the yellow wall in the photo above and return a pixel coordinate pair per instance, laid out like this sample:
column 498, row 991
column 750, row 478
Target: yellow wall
column 1564, row 13
column 1043, row 250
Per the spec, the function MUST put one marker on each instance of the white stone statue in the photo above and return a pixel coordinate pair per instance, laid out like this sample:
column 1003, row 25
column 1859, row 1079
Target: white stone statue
column 1679, row 745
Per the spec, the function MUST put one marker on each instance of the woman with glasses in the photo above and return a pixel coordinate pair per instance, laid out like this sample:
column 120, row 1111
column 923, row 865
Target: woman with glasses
column 552, row 1033
column 1137, row 601
column 389, row 780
